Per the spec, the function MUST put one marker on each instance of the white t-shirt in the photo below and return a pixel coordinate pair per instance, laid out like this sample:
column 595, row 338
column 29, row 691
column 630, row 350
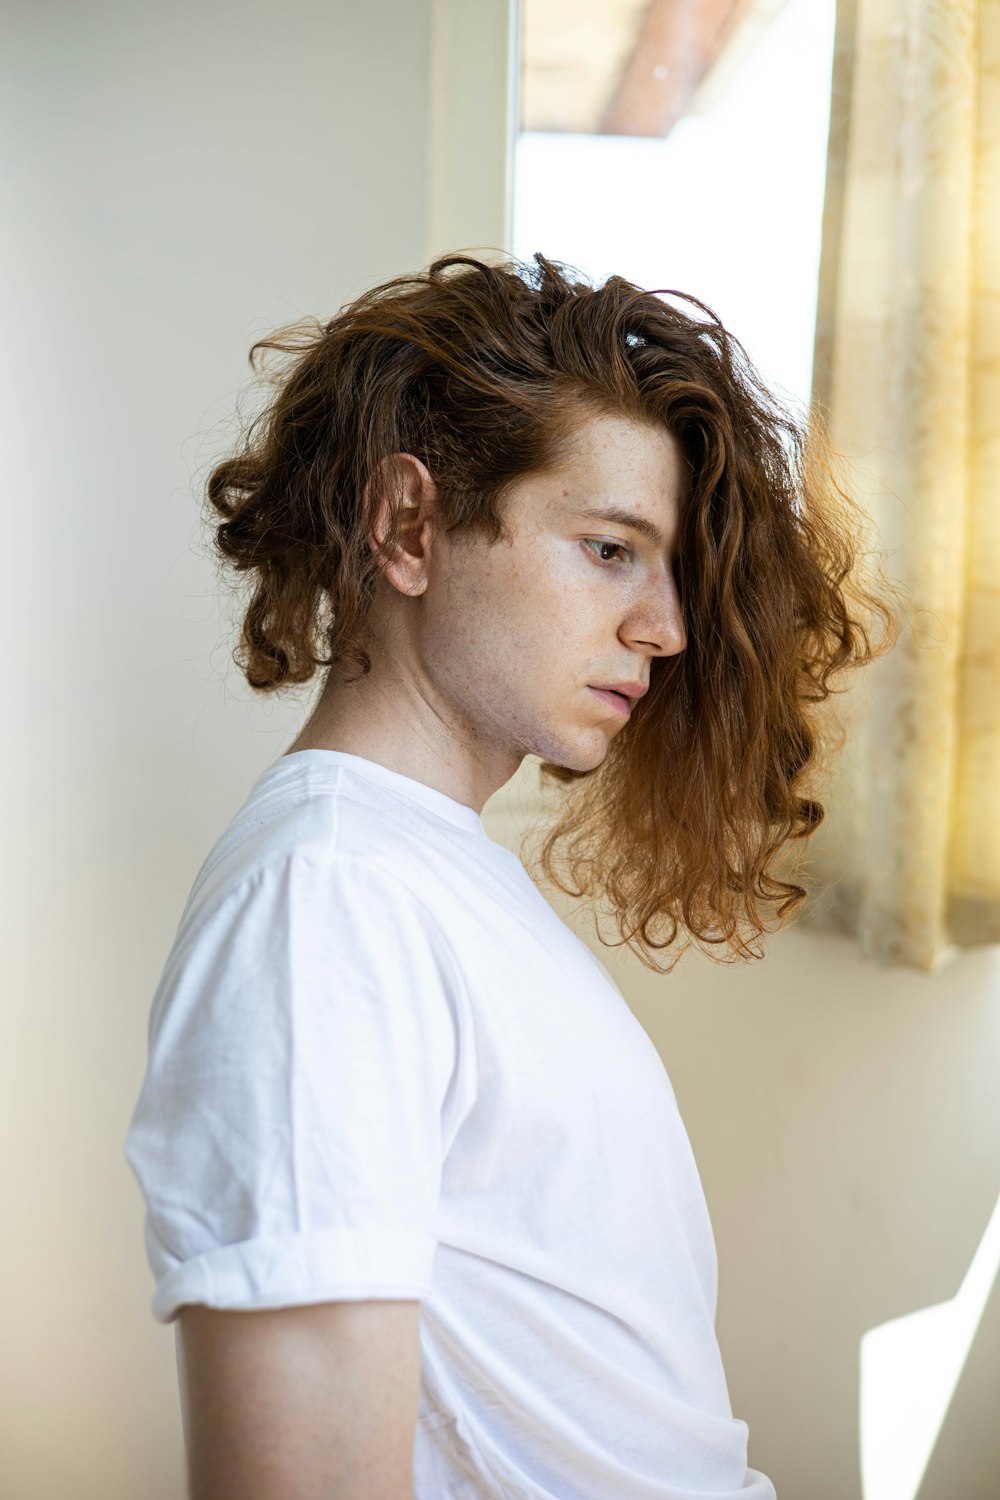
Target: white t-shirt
column 381, row 1065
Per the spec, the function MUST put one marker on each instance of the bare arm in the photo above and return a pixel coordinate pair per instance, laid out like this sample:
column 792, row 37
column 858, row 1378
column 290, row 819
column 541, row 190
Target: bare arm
column 301, row 1403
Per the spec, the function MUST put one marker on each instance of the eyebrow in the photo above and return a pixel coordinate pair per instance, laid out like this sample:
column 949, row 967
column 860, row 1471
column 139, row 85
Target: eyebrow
column 620, row 516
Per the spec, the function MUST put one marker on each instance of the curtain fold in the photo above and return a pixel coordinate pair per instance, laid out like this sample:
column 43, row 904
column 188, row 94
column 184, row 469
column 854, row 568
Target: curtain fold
column 907, row 370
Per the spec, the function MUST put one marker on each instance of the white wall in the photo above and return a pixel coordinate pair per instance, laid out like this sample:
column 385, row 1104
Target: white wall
column 181, row 177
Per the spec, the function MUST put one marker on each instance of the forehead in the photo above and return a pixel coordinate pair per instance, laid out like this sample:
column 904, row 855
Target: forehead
column 618, row 463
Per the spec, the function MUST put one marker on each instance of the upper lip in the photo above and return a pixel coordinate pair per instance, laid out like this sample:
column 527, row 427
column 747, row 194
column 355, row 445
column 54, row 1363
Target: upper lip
column 627, row 689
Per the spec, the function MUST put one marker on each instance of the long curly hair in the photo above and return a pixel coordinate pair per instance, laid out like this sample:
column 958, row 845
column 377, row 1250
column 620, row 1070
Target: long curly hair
column 483, row 371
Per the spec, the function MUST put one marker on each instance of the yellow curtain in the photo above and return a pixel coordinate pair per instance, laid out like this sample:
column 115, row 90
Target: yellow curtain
column 907, row 368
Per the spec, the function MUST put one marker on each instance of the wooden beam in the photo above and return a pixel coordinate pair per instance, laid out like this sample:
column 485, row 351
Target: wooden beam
column 677, row 44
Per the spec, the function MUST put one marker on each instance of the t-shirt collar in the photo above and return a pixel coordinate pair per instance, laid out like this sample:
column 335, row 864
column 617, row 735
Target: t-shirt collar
column 459, row 813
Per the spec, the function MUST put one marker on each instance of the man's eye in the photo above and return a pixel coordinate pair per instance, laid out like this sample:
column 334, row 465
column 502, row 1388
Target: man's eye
column 614, row 546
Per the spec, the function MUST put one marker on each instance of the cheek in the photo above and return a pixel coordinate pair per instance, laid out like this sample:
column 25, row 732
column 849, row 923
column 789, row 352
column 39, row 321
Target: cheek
column 515, row 595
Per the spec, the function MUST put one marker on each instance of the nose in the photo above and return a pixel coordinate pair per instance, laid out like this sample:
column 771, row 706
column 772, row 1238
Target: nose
column 655, row 623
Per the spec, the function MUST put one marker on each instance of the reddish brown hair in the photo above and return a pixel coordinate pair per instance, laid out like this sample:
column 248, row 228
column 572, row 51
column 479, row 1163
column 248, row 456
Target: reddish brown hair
column 484, row 371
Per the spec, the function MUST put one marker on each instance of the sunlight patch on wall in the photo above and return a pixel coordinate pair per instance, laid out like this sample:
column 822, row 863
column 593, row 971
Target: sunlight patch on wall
column 910, row 1369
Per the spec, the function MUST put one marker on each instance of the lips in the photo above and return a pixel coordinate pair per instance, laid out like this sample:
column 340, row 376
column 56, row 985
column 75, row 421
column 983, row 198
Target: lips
column 630, row 690
column 618, row 701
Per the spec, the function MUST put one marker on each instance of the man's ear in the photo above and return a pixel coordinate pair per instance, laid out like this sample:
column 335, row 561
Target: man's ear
column 404, row 485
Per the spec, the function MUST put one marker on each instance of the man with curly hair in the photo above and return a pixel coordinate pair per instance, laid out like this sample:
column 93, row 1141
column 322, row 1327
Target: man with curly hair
column 419, row 1198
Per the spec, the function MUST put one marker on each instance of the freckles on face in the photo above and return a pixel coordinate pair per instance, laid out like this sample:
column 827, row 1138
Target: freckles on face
column 552, row 623
column 480, row 635
column 522, row 618
column 506, row 644
column 518, row 631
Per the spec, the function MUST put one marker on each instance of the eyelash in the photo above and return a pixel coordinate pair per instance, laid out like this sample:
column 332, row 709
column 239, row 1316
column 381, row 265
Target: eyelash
column 608, row 561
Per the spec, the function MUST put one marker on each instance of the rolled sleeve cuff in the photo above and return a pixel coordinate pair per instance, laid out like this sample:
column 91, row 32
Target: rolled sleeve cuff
column 289, row 1270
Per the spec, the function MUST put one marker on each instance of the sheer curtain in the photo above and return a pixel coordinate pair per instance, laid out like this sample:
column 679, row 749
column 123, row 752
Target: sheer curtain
column 907, row 366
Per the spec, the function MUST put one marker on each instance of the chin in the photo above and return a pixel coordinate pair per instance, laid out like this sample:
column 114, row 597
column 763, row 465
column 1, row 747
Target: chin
column 575, row 755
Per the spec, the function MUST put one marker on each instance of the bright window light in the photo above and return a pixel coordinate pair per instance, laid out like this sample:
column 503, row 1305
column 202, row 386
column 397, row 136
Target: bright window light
column 728, row 207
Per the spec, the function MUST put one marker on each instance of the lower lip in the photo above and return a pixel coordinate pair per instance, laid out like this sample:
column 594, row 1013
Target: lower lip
column 614, row 700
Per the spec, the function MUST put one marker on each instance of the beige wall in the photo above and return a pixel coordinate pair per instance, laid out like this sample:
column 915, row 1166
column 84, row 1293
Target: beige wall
column 184, row 178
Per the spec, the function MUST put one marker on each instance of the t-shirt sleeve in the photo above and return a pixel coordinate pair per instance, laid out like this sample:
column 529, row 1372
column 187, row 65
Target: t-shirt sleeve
column 305, row 1042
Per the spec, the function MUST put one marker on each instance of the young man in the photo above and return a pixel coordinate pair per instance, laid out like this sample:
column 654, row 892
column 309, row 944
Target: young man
column 418, row 1194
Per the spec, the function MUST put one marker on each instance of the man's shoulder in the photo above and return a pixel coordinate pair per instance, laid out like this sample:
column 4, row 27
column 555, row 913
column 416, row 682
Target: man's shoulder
column 333, row 832
column 291, row 896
